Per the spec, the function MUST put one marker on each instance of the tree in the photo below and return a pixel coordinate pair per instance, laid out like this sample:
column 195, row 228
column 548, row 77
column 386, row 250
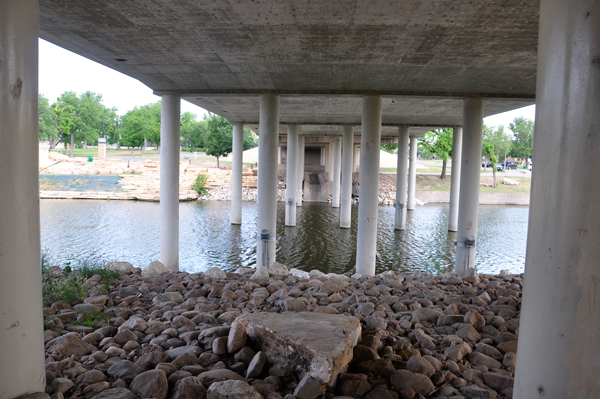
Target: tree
column 522, row 142
column 439, row 142
column 193, row 132
column 47, row 130
column 495, row 143
column 250, row 139
column 141, row 123
column 389, row 147
column 219, row 138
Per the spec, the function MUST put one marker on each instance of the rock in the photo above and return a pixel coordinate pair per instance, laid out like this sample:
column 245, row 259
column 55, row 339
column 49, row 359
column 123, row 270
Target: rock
column 484, row 360
column 209, row 377
column 426, row 314
column 125, row 370
column 136, row 324
column 154, row 267
column 188, row 388
column 510, row 360
column 69, row 345
column 120, row 266
column 237, row 337
column 37, row 395
column 219, row 346
column 497, row 381
column 125, row 336
column 90, row 377
column 115, row 393
column 150, row 384
column 362, row 353
column 308, row 388
column 215, row 273
column 468, row 333
column 299, row 273
column 379, row 368
column 417, row 364
column 403, row 379
column 290, row 339
column 278, row 269
column 473, row 391
column 182, row 350
column 232, row 389
column 256, row 365
column 93, row 389
column 457, row 352
column 150, row 360
column 61, row 385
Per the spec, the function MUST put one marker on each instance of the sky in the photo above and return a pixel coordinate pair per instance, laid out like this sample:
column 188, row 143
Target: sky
column 61, row 70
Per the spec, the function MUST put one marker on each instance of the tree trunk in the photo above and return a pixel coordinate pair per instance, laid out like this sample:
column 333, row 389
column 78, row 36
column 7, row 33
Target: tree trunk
column 217, row 162
column 132, row 148
column 443, row 176
column 494, row 177
column 72, row 143
column 142, row 148
column 158, row 149
column 85, row 144
column 52, row 145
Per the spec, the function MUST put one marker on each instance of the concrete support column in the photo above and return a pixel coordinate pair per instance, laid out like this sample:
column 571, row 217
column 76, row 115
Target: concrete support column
column 468, row 204
column 455, row 178
column 401, row 178
column 328, row 161
column 347, row 160
column 412, row 174
column 322, row 161
column 300, row 177
column 169, row 182
column 356, row 166
column 291, row 175
column 236, row 173
column 267, row 178
column 559, row 340
column 21, row 320
column 337, row 161
column 366, row 245
column 279, row 155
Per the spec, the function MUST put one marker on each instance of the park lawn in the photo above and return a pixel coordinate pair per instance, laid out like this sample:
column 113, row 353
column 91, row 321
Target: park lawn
column 434, row 183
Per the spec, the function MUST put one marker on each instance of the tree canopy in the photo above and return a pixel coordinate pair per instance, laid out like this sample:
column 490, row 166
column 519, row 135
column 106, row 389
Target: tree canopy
column 219, row 140
column 522, row 143
column 438, row 142
column 141, row 123
column 496, row 144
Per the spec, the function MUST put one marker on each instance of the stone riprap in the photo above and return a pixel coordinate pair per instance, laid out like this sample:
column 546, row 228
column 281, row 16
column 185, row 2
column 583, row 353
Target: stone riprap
column 179, row 335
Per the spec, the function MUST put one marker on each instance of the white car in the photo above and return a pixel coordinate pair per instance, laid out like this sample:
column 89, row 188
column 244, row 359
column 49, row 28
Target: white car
column 529, row 166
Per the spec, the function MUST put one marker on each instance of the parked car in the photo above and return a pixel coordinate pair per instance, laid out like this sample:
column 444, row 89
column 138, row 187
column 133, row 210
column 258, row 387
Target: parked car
column 511, row 165
column 529, row 166
column 500, row 167
column 486, row 164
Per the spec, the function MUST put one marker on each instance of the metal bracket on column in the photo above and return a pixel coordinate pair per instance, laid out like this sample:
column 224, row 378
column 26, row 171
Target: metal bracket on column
column 469, row 242
column 399, row 205
column 290, row 202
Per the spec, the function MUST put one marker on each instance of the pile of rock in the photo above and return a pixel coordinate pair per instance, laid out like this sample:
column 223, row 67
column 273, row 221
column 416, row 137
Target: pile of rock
column 179, row 335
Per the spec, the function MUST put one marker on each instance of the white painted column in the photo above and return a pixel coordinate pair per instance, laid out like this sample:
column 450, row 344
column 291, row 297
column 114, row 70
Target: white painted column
column 337, row 161
column 267, row 177
column 468, row 204
column 291, row 175
column 412, row 174
column 455, row 178
column 559, row 334
column 300, row 178
column 356, row 166
column 279, row 155
column 329, row 161
column 169, row 182
column 236, row 173
column 401, row 178
column 366, row 245
column 21, row 320
column 322, row 161
column 347, row 160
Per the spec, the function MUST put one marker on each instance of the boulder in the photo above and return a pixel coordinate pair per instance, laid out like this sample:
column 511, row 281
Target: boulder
column 115, row 393
column 154, row 267
column 215, row 273
column 320, row 345
column 150, row 384
column 232, row 389
column 120, row 266
column 69, row 345
column 403, row 379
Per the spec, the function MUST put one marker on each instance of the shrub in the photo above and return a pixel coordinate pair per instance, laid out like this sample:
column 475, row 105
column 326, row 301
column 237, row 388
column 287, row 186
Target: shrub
column 199, row 184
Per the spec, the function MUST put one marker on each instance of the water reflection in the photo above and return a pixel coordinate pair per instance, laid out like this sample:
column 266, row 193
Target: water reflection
column 129, row 230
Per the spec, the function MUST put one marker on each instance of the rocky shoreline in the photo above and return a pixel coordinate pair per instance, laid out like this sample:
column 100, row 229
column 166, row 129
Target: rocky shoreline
column 178, row 335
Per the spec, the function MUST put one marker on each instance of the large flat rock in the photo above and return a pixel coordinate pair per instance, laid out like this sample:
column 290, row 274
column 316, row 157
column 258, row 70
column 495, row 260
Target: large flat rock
column 311, row 343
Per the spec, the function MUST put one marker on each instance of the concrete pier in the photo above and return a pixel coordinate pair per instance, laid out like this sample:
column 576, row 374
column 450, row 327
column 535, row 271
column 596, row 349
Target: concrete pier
column 366, row 245
column 401, row 178
column 22, row 369
column 169, row 181
column 267, row 178
column 337, row 160
column 559, row 340
column 291, row 175
column 236, row 173
column 346, row 189
column 300, row 170
column 412, row 175
column 468, row 204
column 455, row 178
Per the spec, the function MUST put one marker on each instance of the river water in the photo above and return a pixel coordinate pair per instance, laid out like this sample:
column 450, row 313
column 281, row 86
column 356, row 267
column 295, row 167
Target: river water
column 129, row 230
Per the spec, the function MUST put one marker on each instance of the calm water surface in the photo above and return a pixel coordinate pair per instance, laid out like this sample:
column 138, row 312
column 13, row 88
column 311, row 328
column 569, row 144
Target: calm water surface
column 129, row 230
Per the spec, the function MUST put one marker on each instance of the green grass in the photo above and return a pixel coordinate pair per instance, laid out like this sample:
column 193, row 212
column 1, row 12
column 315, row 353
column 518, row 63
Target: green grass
column 70, row 285
column 199, row 184
column 94, row 320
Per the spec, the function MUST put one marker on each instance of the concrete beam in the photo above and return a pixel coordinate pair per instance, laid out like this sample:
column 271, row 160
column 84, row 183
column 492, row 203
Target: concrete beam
column 22, row 369
column 559, row 340
column 366, row 245
column 468, row 205
column 169, row 182
column 267, row 179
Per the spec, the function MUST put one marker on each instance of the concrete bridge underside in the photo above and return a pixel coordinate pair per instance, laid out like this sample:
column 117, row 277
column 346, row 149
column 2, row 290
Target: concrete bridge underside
column 381, row 70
